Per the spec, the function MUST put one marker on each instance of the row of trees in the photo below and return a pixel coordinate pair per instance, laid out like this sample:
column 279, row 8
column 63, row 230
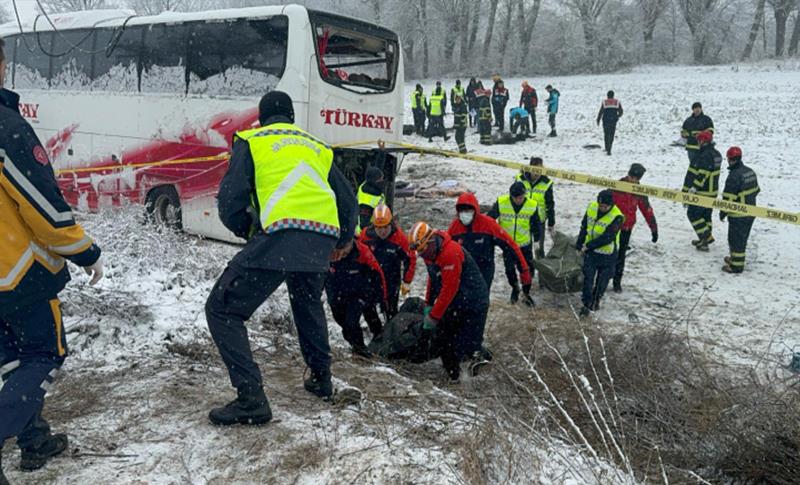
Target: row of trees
column 547, row 36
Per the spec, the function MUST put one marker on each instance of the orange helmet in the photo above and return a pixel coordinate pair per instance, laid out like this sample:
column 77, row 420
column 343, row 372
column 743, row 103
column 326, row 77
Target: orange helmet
column 420, row 236
column 382, row 215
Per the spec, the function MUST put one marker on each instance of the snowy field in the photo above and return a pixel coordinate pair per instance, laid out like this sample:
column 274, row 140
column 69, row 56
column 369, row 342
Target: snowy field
column 143, row 373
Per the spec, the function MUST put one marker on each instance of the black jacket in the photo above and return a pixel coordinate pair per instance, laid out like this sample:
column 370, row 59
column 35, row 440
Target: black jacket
column 609, row 114
column 287, row 250
column 694, row 125
column 703, row 172
column 741, row 186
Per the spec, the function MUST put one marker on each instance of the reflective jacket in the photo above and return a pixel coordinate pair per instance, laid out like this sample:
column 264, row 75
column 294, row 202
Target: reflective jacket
column 600, row 232
column 519, row 222
column 694, row 125
column 418, row 100
column 703, row 172
column 457, row 91
column 460, row 115
column 369, row 198
column 610, row 111
column 741, row 186
column 541, row 191
column 37, row 227
column 437, row 103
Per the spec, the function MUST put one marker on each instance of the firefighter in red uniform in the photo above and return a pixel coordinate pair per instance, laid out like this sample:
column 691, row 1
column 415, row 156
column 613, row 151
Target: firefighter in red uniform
column 480, row 234
column 457, row 299
column 628, row 203
column 355, row 283
column 389, row 245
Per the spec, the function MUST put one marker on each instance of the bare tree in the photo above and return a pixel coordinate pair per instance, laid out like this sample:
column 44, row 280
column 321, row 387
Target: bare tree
column 781, row 10
column 588, row 12
column 51, row 6
column 487, row 40
column 651, row 11
column 155, row 7
column 527, row 22
column 795, row 35
column 476, row 11
column 758, row 18
column 697, row 14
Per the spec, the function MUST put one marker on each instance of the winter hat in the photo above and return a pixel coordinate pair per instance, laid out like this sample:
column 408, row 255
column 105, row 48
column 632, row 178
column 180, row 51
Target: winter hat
column 548, row 87
column 517, row 189
column 374, row 175
column 610, row 94
column 419, row 87
column 458, row 82
column 275, row 103
column 697, row 104
column 605, row 197
column 438, row 83
column 637, row 170
column 536, row 161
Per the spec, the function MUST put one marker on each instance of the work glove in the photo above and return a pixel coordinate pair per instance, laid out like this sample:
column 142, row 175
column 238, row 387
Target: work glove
column 654, row 237
column 722, row 216
column 405, row 289
column 95, row 271
column 430, row 323
column 515, row 294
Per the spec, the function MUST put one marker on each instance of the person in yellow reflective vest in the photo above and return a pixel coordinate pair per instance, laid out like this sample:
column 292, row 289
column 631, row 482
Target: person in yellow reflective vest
column 599, row 242
column 370, row 196
column 38, row 234
column 436, row 109
column 419, row 106
column 297, row 212
column 457, row 91
column 540, row 189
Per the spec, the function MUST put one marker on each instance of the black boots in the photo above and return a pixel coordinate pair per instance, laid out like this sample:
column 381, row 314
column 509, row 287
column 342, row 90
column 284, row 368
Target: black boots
column 36, row 457
column 585, row 311
column 553, row 134
column 617, row 286
column 319, row 384
column 514, row 293
column 250, row 407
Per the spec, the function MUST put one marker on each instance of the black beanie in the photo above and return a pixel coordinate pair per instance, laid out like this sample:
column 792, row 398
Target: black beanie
column 605, row 197
column 697, row 104
column 517, row 189
column 374, row 175
column 275, row 103
column 637, row 170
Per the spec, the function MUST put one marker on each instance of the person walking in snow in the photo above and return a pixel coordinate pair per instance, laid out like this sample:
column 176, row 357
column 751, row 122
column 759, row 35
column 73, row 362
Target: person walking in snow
column 552, row 108
column 529, row 100
column 695, row 124
column 702, row 178
column 499, row 102
column 610, row 113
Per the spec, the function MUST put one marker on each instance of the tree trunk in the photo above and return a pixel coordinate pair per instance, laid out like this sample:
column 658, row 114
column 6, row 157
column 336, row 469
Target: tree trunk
column 699, row 46
column 487, row 41
column 781, row 17
column 795, row 36
column 423, row 9
column 527, row 23
column 648, row 42
column 590, row 39
column 476, row 11
column 757, row 18
column 504, row 35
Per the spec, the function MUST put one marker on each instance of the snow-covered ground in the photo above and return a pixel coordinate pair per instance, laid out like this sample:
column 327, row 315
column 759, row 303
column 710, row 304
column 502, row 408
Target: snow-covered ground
column 143, row 373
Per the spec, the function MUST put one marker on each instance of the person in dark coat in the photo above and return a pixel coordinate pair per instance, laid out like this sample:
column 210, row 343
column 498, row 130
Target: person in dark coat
column 529, row 100
column 610, row 113
column 702, row 178
column 741, row 187
column 599, row 242
column 457, row 299
column 484, row 116
column 499, row 102
column 419, row 108
column 355, row 284
column 472, row 101
column 695, row 124
column 460, row 122
column 271, row 257
column 628, row 204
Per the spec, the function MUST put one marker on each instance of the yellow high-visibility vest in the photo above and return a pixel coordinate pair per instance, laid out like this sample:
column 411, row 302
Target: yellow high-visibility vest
column 517, row 224
column 596, row 227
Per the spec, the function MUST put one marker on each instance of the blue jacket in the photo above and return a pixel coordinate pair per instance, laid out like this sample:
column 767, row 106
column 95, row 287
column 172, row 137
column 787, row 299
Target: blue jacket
column 522, row 112
column 552, row 101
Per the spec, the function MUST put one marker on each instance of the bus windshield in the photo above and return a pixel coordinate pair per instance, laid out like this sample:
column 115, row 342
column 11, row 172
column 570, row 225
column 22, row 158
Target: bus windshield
column 355, row 55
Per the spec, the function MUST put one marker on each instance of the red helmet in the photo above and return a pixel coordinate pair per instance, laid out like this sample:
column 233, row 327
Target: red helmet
column 704, row 137
column 734, row 152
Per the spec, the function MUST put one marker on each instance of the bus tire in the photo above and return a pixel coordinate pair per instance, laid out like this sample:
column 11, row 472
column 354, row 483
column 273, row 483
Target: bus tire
column 163, row 207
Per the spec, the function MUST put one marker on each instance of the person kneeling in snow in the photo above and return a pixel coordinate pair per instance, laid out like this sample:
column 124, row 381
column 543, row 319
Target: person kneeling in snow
column 457, row 299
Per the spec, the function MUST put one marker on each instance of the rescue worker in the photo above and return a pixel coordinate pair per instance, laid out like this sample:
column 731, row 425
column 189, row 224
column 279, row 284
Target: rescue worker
column 540, row 190
column 529, row 100
column 610, row 113
column 457, row 90
column 484, row 116
column 519, row 217
column 261, row 201
column 552, row 108
column 472, row 100
column 599, row 242
column 499, row 102
column 519, row 121
column 436, row 110
column 627, row 204
column 457, row 299
column 38, row 233
column 695, row 124
column 419, row 106
column 702, row 178
column 356, row 284
column 389, row 245
column 741, row 187
column 460, row 122
column 480, row 234
column 370, row 195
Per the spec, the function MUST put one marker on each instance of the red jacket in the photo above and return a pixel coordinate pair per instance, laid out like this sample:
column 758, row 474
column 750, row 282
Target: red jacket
column 628, row 203
column 483, row 227
column 454, row 281
column 392, row 252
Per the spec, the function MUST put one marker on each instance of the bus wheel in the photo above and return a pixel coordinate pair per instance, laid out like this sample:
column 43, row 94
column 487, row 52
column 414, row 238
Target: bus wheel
column 163, row 207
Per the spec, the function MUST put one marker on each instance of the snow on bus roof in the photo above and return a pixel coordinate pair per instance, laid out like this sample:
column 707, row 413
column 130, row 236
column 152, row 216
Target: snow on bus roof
column 116, row 18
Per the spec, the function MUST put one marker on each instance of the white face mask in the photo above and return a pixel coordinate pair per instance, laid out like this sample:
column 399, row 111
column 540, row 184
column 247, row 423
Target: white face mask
column 466, row 217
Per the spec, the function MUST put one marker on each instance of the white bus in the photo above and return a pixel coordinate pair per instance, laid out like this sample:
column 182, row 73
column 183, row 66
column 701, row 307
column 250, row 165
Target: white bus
column 143, row 109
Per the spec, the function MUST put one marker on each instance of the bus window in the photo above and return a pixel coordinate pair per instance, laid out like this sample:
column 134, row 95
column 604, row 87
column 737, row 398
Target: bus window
column 72, row 60
column 238, row 57
column 31, row 64
column 116, row 60
column 164, row 59
column 354, row 55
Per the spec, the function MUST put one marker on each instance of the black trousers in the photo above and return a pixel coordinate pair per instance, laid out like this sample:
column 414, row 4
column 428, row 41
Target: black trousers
column 371, row 311
column 551, row 120
column 738, row 234
column 598, row 269
column 239, row 292
column 700, row 218
column 624, row 243
column 347, row 313
column 461, row 140
column 460, row 334
column 419, row 121
column 511, row 267
column 485, row 129
column 436, row 127
column 499, row 119
column 532, row 114
column 487, row 271
column 608, row 134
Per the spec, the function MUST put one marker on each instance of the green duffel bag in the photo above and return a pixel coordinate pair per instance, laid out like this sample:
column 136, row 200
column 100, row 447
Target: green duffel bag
column 403, row 337
column 561, row 270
